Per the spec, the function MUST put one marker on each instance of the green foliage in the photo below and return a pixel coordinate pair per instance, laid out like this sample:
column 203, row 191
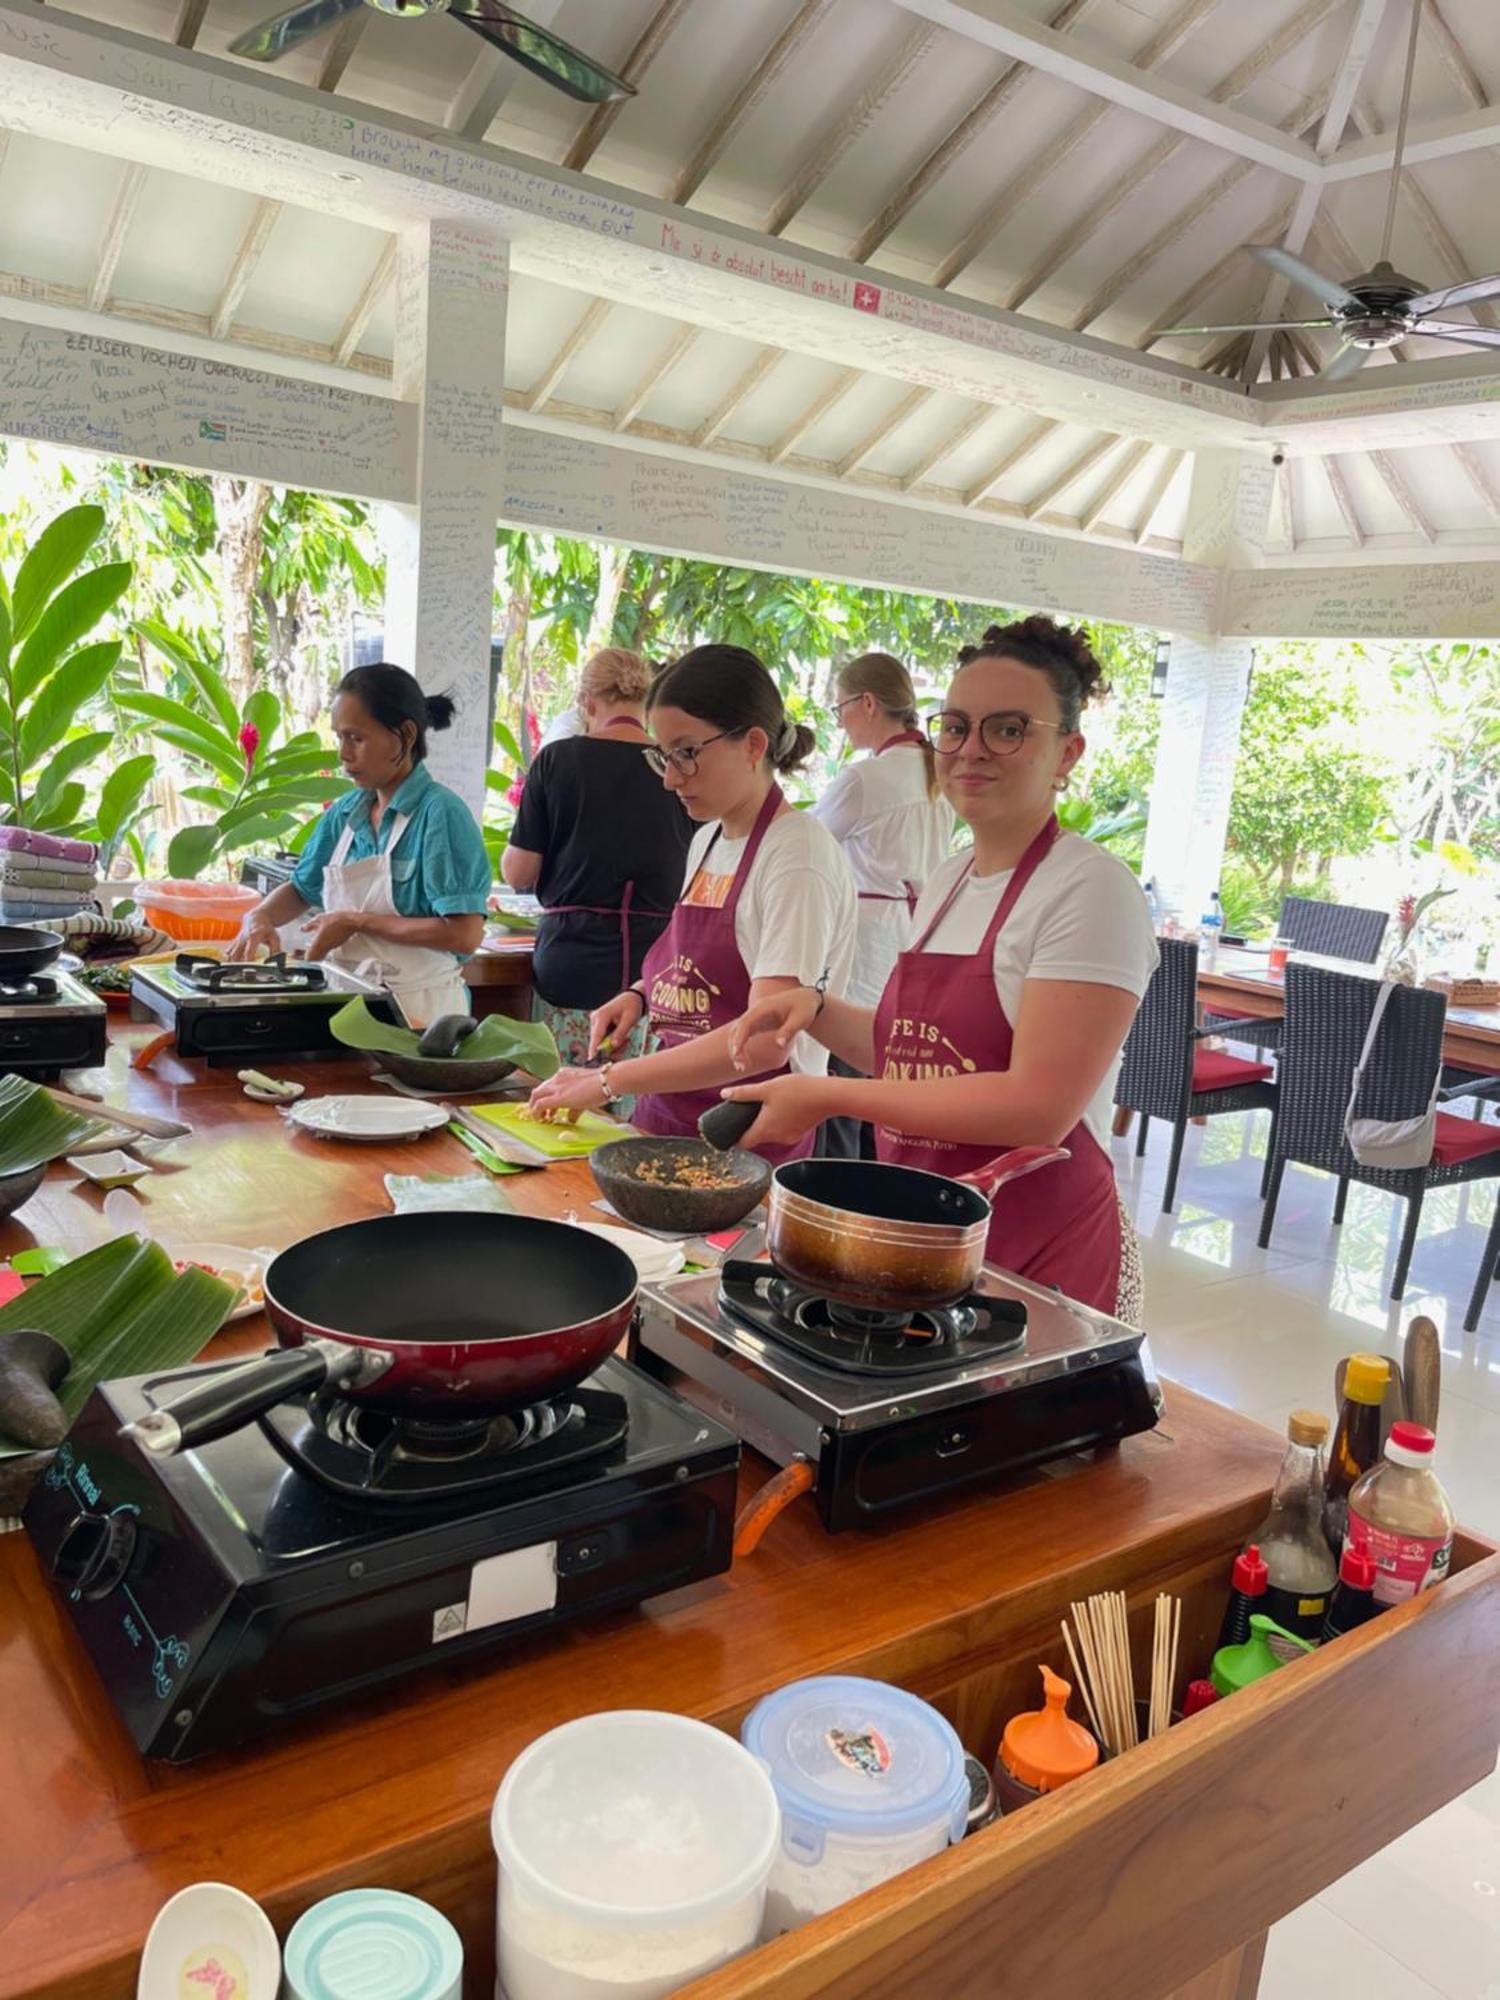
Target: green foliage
column 48, row 679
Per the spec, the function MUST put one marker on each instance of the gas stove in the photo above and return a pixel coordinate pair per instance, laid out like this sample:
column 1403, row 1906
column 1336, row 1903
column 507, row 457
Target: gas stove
column 892, row 1408
column 233, row 1013
column 328, row 1549
column 49, row 1022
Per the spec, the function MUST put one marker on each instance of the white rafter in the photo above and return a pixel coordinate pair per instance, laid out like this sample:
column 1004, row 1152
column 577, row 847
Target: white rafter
column 1124, row 472
column 996, row 24
column 654, row 376
column 112, row 243
column 1443, row 139
column 1344, row 499
column 818, row 408
column 1477, row 474
column 975, row 421
column 649, row 45
column 1070, row 474
column 1401, row 493
column 873, row 439
column 189, row 20
column 1012, row 456
column 242, row 270
column 745, row 387
column 342, row 43
column 491, row 79
column 1452, row 54
column 1166, row 472
column 851, row 123
column 750, row 93
column 353, row 330
column 589, row 322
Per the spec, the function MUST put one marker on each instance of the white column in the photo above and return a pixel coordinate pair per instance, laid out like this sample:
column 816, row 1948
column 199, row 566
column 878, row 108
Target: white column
column 1228, row 508
column 451, row 284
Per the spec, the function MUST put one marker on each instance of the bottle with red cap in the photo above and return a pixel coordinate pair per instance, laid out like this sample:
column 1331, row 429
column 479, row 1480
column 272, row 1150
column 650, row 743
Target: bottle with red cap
column 1247, row 1590
column 1353, row 1600
column 1400, row 1517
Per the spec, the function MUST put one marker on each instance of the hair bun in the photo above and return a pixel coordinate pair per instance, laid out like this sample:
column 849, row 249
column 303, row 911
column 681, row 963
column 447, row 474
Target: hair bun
column 439, row 711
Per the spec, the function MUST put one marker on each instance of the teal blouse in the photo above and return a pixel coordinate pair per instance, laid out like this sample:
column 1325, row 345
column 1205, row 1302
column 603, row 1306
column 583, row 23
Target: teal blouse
column 440, row 868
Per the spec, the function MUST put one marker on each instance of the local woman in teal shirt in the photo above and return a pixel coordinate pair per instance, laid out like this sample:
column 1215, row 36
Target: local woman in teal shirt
column 397, row 867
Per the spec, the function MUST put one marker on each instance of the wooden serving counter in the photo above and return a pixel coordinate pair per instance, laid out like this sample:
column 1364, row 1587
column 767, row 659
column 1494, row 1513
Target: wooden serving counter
column 1157, row 1875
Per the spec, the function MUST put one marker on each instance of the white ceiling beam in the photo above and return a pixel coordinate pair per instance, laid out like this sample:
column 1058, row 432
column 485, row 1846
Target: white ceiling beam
column 1455, row 266
column 853, row 121
column 491, row 79
column 589, row 323
column 1401, row 493
column 1070, row 474
column 1452, row 54
column 956, row 438
column 1343, row 499
column 1123, row 473
column 1443, row 139
column 353, row 330
column 957, row 141
column 1477, row 474
column 1273, row 291
column 890, row 423
column 189, row 20
column 1156, row 492
column 996, row 25
column 751, row 92
column 1203, row 287
column 816, row 410
column 342, row 43
column 252, row 247
column 1115, row 196
column 745, row 387
column 654, row 376
column 1359, row 45
column 1012, row 455
column 112, row 243
column 652, row 40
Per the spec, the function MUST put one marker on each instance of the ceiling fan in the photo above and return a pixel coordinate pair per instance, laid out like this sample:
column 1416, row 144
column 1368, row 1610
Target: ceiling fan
column 1380, row 307
column 535, row 48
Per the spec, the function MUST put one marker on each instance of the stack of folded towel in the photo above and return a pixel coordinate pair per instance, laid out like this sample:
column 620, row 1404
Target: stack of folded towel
column 43, row 876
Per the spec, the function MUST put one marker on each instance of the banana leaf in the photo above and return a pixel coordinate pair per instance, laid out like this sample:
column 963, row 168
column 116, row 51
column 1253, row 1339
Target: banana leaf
column 34, row 1128
column 513, row 920
column 119, row 1310
column 528, row 1044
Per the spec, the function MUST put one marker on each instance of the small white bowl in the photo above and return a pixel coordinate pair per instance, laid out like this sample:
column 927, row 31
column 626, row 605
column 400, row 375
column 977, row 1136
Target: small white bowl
column 210, row 1922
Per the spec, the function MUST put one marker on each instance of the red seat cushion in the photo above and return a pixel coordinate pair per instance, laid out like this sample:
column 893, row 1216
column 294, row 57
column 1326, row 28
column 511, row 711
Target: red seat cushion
column 1213, row 1070
column 1462, row 1139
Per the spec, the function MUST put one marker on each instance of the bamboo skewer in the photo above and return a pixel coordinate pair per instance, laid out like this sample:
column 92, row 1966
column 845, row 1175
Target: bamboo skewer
column 1102, row 1668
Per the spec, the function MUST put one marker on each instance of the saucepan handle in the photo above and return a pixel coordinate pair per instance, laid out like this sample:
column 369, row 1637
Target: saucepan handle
column 1011, row 1166
column 226, row 1401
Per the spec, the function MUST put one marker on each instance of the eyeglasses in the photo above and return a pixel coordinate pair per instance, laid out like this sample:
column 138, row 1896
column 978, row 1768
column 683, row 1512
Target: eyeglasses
column 839, row 706
column 684, row 759
column 1002, row 734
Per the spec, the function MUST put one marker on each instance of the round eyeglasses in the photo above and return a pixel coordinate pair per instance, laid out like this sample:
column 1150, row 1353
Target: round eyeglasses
column 684, row 758
column 1002, row 733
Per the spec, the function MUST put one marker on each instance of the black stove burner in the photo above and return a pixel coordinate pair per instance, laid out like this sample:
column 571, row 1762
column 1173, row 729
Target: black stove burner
column 856, row 1341
column 372, row 1456
column 267, row 975
column 37, row 991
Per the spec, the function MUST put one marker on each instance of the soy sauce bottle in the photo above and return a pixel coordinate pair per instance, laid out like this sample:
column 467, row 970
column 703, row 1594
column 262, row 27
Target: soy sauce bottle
column 1300, row 1568
column 1356, row 1440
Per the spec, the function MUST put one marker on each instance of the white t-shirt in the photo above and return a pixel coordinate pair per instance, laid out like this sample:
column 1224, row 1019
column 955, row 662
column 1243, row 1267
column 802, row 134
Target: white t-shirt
column 892, row 834
column 795, row 918
column 1082, row 917
column 567, row 722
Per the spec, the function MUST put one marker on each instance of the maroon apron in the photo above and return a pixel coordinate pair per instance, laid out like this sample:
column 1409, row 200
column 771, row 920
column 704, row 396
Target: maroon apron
column 909, row 890
column 696, row 981
column 941, row 1016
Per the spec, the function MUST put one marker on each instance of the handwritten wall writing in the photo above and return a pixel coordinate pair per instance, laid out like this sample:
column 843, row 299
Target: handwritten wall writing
column 1450, row 600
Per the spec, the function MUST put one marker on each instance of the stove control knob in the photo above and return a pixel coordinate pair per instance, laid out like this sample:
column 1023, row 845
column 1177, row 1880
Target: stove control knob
column 94, row 1553
column 954, row 1443
column 587, row 1552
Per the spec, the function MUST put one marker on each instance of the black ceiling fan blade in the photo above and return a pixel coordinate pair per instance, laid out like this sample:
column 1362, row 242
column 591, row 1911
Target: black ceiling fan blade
column 1344, row 364
column 1335, row 296
column 1250, row 326
column 1471, row 292
column 546, row 55
column 272, row 39
column 1452, row 329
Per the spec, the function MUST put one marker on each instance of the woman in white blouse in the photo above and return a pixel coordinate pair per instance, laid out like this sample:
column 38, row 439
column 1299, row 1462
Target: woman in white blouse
column 895, row 828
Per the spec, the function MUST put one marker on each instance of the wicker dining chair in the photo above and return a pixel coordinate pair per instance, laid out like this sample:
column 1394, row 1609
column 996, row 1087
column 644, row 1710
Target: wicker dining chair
column 1333, row 930
column 1165, row 1072
column 1327, row 1018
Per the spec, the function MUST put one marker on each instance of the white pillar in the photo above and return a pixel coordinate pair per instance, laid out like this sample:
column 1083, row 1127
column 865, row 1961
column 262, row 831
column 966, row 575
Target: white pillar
column 451, row 284
column 1191, row 787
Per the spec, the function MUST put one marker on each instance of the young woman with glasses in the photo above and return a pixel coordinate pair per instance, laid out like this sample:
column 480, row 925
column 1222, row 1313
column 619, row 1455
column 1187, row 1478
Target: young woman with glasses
column 895, row 827
column 768, row 904
column 1003, row 1020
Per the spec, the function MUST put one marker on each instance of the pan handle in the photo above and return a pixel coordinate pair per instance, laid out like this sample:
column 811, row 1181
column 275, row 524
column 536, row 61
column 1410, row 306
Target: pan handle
column 228, row 1400
column 1011, row 1166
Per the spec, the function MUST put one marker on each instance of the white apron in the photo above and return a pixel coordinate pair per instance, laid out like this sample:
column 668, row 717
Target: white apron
column 424, row 983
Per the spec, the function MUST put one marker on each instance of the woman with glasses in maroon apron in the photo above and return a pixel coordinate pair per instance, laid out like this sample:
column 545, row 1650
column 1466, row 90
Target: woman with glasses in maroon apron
column 603, row 845
column 1003, row 1020
column 768, row 905
column 895, row 827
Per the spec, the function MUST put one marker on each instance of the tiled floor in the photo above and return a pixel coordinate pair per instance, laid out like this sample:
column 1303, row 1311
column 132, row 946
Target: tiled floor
column 1261, row 1331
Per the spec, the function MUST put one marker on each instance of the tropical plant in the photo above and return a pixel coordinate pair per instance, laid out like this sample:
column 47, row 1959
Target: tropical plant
column 49, row 679
column 256, row 787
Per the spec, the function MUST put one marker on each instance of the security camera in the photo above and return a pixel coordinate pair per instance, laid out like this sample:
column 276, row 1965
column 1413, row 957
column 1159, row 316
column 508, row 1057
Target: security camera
column 1278, row 458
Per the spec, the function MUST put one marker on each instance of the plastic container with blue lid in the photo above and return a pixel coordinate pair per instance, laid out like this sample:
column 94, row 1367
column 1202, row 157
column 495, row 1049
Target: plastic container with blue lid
column 870, row 1779
column 373, row 1944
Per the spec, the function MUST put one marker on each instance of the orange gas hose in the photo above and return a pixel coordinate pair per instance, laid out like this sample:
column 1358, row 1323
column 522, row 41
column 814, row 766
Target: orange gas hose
column 147, row 1053
column 778, row 1493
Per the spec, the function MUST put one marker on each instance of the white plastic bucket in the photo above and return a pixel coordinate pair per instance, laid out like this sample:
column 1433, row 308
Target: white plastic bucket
column 634, row 1849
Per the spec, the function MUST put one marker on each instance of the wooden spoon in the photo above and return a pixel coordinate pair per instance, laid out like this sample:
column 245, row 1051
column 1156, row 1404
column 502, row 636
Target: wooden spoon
column 1422, row 1372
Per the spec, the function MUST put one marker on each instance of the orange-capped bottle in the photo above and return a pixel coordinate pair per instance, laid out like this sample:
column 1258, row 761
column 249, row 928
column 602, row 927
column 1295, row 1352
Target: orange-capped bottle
column 1043, row 1748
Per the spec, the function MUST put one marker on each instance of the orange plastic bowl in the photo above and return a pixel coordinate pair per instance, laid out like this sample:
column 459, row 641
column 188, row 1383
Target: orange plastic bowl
column 197, row 911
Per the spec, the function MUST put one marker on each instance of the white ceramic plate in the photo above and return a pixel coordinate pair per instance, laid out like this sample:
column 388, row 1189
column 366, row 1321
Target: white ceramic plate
column 653, row 1259
column 367, row 1117
column 205, row 1926
column 245, row 1269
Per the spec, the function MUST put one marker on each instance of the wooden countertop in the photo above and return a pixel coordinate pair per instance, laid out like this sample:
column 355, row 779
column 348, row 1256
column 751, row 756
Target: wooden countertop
column 399, row 1794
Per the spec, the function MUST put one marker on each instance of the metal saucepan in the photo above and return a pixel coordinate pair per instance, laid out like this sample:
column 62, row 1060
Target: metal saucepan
column 886, row 1237
column 422, row 1316
column 24, row 950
